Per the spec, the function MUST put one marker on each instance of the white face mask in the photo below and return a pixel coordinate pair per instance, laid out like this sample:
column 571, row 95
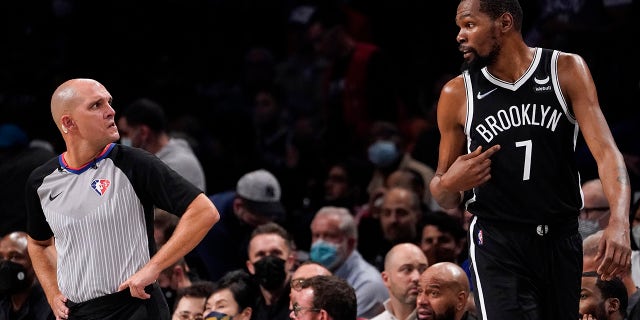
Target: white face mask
column 125, row 141
column 635, row 232
column 587, row 227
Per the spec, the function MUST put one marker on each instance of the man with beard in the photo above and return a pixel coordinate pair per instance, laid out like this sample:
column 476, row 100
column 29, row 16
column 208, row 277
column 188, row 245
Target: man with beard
column 271, row 259
column 509, row 125
column 602, row 299
column 21, row 296
column 442, row 293
column 334, row 238
column 400, row 217
column 402, row 268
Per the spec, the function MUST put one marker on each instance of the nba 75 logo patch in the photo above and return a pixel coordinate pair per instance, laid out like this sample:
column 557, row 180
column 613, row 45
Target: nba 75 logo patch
column 100, row 185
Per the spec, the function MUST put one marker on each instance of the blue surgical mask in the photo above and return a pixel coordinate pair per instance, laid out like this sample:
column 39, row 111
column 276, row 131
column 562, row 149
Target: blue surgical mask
column 383, row 153
column 324, row 253
column 215, row 315
column 125, row 142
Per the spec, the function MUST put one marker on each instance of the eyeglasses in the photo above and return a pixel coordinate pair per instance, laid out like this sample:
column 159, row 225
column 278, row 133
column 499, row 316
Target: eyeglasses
column 590, row 213
column 186, row 315
column 296, row 284
column 297, row 309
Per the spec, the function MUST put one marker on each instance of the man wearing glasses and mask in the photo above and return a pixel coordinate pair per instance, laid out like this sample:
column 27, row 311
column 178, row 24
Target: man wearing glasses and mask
column 594, row 215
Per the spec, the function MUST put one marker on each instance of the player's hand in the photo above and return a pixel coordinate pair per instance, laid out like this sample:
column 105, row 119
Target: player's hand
column 137, row 282
column 59, row 307
column 614, row 250
column 469, row 170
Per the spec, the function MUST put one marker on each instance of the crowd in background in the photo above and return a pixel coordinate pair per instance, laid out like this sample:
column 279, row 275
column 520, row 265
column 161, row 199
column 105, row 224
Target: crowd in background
column 336, row 100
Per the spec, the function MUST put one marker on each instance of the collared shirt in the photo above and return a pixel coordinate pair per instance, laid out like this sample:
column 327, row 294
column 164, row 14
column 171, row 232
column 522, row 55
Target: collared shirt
column 367, row 283
column 388, row 313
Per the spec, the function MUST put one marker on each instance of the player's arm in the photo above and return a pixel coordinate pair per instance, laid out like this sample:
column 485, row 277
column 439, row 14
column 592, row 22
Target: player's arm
column 456, row 171
column 43, row 259
column 194, row 224
column 580, row 92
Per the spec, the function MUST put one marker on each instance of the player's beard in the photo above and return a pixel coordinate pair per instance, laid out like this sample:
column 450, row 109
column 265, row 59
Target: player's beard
column 479, row 61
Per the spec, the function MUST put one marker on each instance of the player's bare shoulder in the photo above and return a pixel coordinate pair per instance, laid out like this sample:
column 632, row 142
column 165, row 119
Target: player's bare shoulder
column 574, row 75
column 453, row 100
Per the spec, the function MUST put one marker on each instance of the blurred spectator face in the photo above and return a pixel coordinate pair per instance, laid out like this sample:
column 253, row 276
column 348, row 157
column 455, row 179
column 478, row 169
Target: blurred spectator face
column 402, row 273
column 129, row 135
column 325, row 41
column 266, row 109
column 399, row 215
column 336, row 186
column 591, row 301
column 268, row 244
column 325, row 232
column 189, row 308
column 15, row 264
column 437, row 298
column 302, row 305
column 595, row 214
column 223, row 302
column 270, row 260
column 439, row 246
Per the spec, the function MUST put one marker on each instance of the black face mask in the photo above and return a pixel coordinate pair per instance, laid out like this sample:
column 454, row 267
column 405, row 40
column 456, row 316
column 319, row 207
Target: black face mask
column 13, row 277
column 170, row 296
column 270, row 273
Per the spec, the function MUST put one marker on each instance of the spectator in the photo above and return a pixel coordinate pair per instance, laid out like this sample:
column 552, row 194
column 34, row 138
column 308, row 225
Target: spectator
column 403, row 265
column 334, row 241
column 143, row 125
column 443, row 292
column 190, row 301
column 174, row 278
column 233, row 298
column 590, row 263
column 17, row 159
column 270, row 261
column 387, row 153
column 595, row 211
column 357, row 85
column 21, row 296
column 329, row 296
column 400, row 218
column 164, row 223
column 602, row 299
column 443, row 238
column 255, row 201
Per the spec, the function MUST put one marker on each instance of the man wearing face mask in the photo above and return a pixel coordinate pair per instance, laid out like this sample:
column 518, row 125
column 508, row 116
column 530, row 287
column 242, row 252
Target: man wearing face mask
column 271, row 258
column 334, row 239
column 595, row 213
column 254, row 202
column 388, row 154
column 21, row 296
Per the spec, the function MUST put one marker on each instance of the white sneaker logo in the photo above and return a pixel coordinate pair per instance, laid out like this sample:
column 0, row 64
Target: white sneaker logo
column 541, row 82
column 481, row 96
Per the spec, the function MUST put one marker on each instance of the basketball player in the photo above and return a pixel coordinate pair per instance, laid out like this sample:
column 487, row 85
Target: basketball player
column 509, row 125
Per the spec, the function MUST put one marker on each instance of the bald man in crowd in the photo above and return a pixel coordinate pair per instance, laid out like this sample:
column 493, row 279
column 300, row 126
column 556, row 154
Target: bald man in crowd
column 443, row 291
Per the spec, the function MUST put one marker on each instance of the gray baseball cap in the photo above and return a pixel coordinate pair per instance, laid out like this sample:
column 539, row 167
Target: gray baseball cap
column 261, row 193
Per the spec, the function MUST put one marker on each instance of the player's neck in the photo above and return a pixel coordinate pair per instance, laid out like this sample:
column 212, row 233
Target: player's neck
column 513, row 62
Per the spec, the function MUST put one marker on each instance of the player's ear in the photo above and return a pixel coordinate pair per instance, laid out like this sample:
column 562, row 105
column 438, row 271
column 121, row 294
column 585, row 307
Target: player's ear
column 506, row 21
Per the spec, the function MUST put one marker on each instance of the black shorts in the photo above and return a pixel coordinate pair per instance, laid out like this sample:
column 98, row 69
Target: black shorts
column 121, row 305
column 525, row 271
